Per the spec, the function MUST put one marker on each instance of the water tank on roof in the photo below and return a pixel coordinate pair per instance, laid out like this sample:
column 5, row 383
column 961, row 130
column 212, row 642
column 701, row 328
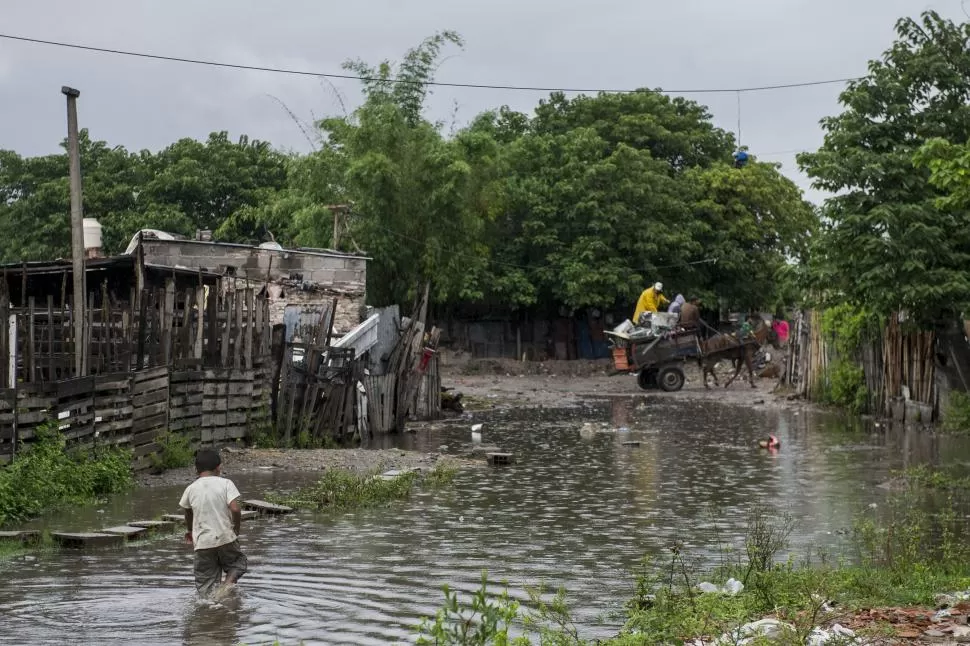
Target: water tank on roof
column 92, row 233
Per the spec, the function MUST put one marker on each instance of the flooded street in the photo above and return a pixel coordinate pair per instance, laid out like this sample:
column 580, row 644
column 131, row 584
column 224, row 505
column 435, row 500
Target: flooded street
column 577, row 510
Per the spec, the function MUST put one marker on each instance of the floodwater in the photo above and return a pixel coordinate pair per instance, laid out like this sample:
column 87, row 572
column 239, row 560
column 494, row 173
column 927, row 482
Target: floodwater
column 576, row 511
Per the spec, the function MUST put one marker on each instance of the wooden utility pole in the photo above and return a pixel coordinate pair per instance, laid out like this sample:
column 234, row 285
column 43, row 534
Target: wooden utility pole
column 77, row 233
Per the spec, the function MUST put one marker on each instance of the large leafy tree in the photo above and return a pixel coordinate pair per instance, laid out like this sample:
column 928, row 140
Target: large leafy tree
column 408, row 184
column 209, row 181
column 188, row 185
column 887, row 246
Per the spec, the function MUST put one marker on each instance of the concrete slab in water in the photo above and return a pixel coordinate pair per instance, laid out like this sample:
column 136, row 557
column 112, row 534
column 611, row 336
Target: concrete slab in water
column 87, row 539
column 264, row 507
column 249, row 515
column 497, row 459
column 624, row 444
column 156, row 525
column 27, row 536
column 178, row 519
column 129, row 532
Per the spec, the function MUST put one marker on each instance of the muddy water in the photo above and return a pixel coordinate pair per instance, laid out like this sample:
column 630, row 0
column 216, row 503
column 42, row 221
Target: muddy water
column 576, row 511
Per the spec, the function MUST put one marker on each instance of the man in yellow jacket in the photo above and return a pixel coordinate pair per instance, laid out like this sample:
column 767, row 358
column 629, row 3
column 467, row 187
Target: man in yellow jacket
column 651, row 300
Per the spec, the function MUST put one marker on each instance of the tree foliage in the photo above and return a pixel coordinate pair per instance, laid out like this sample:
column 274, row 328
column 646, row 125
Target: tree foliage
column 889, row 243
column 578, row 205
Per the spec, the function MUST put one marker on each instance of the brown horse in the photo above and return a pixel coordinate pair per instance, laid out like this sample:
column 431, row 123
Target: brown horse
column 738, row 351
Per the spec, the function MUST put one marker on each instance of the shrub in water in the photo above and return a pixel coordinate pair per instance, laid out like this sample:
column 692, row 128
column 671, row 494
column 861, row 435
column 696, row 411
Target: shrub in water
column 175, row 452
column 46, row 474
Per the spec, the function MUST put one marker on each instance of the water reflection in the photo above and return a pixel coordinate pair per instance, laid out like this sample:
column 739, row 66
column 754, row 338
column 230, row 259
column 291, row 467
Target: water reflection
column 579, row 509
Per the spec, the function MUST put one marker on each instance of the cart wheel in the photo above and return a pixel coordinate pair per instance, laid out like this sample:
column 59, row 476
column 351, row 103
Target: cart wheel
column 647, row 379
column 671, row 378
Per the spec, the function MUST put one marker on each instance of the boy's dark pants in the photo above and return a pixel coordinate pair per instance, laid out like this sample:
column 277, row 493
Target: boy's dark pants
column 210, row 564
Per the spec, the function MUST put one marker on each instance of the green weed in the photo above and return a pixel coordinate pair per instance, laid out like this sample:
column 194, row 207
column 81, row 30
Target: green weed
column 341, row 489
column 175, row 451
column 46, row 474
column 956, row 417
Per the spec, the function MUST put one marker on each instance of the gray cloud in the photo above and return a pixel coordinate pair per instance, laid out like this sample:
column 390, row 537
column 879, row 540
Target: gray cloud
column 607, row 44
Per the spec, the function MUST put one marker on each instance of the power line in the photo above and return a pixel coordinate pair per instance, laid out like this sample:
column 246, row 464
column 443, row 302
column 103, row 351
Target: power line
column 480, row 86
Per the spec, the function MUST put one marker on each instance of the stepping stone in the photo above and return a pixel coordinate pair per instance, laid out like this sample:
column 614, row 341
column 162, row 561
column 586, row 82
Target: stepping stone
column 264, row 507
column 250, row 515
column 156, row 525
column 80, row 540
column 500, row 459
column 178, row 519
column 129, row 532
column 24, row 537
column 631, row 444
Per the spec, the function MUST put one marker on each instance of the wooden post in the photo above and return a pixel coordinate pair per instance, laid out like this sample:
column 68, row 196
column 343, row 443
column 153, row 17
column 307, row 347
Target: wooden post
column 168, row 315
column 77, row 231
column 250, row 323
column 31, row 355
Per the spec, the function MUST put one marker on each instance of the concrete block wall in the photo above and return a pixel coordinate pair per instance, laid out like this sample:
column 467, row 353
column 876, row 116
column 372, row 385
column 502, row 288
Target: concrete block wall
column 326, row 275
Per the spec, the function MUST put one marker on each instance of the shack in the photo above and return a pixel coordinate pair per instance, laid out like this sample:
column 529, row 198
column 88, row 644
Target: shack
column 294, row 279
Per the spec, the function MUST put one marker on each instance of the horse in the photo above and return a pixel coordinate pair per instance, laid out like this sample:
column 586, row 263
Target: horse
column 740, row 351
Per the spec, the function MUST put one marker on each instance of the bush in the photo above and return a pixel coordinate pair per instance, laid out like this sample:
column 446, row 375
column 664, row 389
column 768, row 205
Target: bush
column 175, row 451
column 46, row 475
column 847, row 386
column 956, row 417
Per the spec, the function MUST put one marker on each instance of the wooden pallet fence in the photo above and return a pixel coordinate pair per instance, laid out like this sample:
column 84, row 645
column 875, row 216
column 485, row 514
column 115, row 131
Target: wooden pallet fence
column 113, row 408
column 149, row 396
column 227, row 402
column 186, row 402
column 75, row 408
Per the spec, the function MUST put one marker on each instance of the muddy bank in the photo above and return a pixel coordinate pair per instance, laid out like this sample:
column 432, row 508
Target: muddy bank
column 490, row 383
column 242, row 461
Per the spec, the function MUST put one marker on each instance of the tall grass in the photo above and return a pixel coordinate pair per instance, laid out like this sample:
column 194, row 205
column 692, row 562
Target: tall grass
column 47, row 474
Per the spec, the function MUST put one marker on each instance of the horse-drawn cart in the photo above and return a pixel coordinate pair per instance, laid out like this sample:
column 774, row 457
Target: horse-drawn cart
column 657, row 360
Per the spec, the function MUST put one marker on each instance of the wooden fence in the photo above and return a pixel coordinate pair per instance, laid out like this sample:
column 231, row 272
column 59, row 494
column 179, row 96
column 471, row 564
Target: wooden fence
column 899, row 367
column 196, row 363
column 195, row 327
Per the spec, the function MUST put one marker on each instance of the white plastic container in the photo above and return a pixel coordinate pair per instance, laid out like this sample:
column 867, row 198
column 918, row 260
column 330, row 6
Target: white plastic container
column 92, row 233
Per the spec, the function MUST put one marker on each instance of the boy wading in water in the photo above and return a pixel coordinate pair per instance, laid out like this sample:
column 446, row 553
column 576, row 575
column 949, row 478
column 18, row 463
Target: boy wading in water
column 213, row 516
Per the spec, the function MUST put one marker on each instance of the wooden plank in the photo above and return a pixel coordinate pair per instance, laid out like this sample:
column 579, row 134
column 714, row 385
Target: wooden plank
column 151, row 410
column 145, row 450
column 226, row 332
column 129, row 532
column 79, row 540
column 237, row 346
column 250, row 322
column 150, row 374
column 264, row 507
column 156, row 525
column 141, row 388
column 150, row 398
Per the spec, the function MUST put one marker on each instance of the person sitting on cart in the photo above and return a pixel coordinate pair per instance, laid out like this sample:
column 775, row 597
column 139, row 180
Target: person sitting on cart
column 651, row 300
column 690, row 314
column 676, row 306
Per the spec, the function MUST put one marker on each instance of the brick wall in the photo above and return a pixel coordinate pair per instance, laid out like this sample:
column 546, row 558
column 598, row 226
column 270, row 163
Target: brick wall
column 296, row 277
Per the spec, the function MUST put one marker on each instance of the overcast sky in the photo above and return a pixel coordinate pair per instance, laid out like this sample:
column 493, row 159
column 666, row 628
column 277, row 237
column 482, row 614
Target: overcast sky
column 690, row 44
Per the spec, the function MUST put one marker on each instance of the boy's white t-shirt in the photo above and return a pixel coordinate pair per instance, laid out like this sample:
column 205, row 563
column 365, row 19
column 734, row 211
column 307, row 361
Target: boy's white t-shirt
column 208, row 498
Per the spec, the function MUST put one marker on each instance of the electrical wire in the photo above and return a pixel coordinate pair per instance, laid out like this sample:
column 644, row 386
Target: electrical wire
column 479, row 86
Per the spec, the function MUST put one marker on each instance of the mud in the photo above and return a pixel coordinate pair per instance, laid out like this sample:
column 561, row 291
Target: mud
column 243, row 461
column 493, row 383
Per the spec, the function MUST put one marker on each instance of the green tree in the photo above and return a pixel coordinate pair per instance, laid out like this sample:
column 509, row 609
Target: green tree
column 408, row 184
column 756, row 224
column 887, row 245
column 210, row 181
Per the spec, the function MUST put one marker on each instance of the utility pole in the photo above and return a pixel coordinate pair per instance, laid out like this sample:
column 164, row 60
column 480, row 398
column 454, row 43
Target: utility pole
column 77, row 233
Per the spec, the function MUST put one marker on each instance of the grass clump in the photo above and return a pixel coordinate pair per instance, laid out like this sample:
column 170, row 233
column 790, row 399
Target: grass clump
column 175, row 452
column 342, row 489
column 47, row 474
column 956, row 417
column 901, row 554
